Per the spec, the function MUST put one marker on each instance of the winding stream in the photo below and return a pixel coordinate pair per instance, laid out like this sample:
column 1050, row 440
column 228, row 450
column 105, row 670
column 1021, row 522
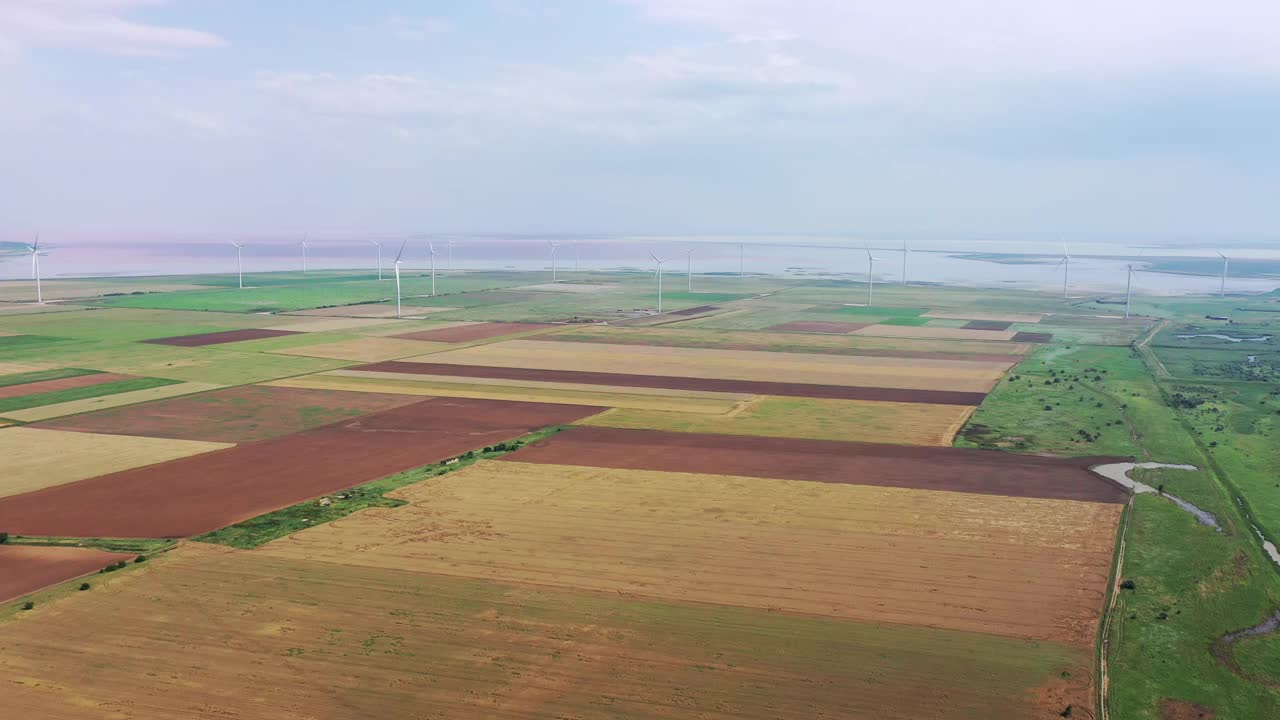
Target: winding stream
column 1228, row 338
column 1119, row 473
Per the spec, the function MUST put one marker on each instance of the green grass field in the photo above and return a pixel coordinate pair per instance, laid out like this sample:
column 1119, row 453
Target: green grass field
column 81, row 393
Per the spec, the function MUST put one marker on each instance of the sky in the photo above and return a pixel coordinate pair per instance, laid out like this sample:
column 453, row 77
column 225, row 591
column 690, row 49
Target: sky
column 1092, row 118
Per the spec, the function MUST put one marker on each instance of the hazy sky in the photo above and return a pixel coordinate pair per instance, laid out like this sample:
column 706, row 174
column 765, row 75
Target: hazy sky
column 661, row 116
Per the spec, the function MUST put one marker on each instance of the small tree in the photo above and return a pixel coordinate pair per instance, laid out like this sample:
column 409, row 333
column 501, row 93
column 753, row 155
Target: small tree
column 28, row 605
column 139, row 559
column 84, row 586
column 4, row 537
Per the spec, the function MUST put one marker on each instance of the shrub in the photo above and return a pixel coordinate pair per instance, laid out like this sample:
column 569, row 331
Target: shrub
column 84, row 586
column 4, row 537
column 121, row 565
column 1128, row 585
column 139, row 559
column 28, row 605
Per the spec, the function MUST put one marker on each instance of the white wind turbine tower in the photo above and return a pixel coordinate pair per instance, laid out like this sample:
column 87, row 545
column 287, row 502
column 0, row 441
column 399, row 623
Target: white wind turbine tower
column 553, row 259
column 239, row 262
column 1065, row 264
column 1128, row 292
column 431, row 250
column 449, row 245
column 655, row 259
column 905, row 252
column 575, row 257
column 34, row 249
column 379, row 246
column 741, row 260
column 1222, row 289
column 871, row 276
column 689, row 270
column 304, row 245
column 397, row 266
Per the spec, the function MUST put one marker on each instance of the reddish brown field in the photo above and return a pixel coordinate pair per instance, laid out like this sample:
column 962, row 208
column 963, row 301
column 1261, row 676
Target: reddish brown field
column 218, row 338
column 925, row 468
column 753, row 387
column 236, row 415
column 25, row 569
column 987, row 325
column 195, row 495
column 45, row 386
column 469, row 333
column 1032, row 337
column 695, row 310
column 815, row 326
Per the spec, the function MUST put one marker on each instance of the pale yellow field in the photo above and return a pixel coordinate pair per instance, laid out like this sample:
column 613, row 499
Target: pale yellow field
column 998, row 317
column 15, row 368
column 67, row 289
column 558, row 393
column 35, row 459
column 366, row 349
column 933, row 333
column 27, row 308
column 1011, row 566
column 860, row 420
column 108, row 401
column 730, row 364
column 337, row 324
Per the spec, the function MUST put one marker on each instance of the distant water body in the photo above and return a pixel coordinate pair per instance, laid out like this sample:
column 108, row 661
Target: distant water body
column 1094, row 267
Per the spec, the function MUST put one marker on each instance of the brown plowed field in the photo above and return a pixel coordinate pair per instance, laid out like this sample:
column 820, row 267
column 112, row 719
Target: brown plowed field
column 196, row 495
column 469, row 333
column 930, row 468
column 1033, row 337
column 203, row 633
column 695, row 310
column 234, row 415
column 26, row 569
column 218, row 338
column 816, row 326
column 44, row 386
column 1026, row 567
column 987, row 325
column 834, row 392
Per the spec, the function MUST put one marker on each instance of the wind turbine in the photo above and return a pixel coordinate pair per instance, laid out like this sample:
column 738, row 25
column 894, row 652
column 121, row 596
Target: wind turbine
column 431, row 249
column 689, row 271
column 379, row 246
column 1226, row 262
column 397, row 266
column 655, row 259
column 871, row 276
column 1065, row 264
column 449, row 244
column 575, row 257
column 741, row 260
column 905, row 252
column 304, row 245
column 553, row 260
column 239, row 263
column 35, row 268
column 1128, row 292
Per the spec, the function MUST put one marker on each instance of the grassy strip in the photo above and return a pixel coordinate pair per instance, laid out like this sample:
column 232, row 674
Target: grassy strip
column 82, row 393
column 132, row 546
column 265, row 528
column 42, row 375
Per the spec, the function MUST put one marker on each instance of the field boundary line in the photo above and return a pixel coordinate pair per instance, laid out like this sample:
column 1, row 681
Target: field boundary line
column 1103, row 690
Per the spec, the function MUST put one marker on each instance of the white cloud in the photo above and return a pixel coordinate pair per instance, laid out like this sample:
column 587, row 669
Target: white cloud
column 95, row 25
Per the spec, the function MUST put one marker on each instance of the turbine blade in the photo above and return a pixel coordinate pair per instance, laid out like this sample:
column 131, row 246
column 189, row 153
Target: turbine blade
column 655, row 257
column 402, row 245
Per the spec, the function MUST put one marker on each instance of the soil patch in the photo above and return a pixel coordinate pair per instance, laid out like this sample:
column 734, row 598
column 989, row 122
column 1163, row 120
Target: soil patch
column 1033, row 337
column 751, row 387
column 1171, row 709
column 987, row 325
column 26, row 569
column 234, row 415
column 469, row 333
column 695, row 310
column 829, row 461
column 219, row 338
column 200, row 494
column 813, row 326
column 45, row 386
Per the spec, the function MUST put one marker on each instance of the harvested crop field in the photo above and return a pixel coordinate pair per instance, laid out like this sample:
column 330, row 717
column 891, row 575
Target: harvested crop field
column 695, row 310
column 196, row 495
column 815, row 326
column 619, row 380
column 36, row 459
column 682, row 401
column 814, row 343
column 68, row 383
column 233, row 415
column 338, row 324
column 1033, row 337
column 26, row 569
column 952, row 469
column 861, row 420
column 367, row 310
column 75, row 407
column 936, row 333
column 297, row 640
column 219, row 338
column 987, row 325
column 829, row 549
column 477, row 331
column 365, row 349
column 979, row 315
column 745, row 365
